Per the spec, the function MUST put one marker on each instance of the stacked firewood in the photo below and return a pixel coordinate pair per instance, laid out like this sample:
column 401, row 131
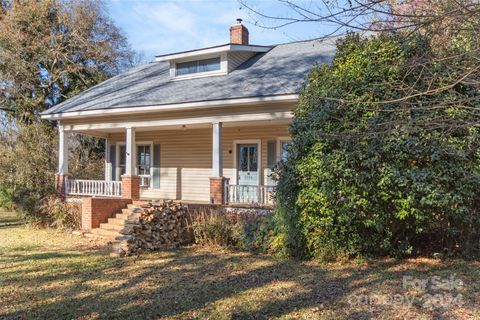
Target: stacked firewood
column 161, row 225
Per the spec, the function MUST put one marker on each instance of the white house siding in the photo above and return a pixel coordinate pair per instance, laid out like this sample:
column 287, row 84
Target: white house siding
column 186, row 157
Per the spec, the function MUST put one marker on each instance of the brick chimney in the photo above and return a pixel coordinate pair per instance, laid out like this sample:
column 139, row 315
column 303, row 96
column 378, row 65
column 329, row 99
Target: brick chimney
column 239, row 33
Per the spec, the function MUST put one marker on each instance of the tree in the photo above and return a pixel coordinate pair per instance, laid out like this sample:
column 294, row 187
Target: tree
column 452, row 26
column 51, row 50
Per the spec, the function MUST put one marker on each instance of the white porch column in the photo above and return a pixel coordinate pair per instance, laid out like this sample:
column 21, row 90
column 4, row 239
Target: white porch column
column 217, row 161
column 108, row 164
column 130, row 149
column 62, row 151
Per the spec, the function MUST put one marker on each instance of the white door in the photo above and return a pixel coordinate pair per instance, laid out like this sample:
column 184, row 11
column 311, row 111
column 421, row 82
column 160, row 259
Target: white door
column 247, row 172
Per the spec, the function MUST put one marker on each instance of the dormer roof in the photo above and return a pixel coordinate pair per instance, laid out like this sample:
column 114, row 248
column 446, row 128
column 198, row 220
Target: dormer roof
column 228, row 47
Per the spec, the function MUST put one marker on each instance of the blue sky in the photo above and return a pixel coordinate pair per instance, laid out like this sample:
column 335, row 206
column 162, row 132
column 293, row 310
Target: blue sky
column 163, row 26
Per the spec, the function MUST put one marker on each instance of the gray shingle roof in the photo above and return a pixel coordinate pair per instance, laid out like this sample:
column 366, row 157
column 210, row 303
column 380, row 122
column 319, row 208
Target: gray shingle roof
column 279, row 71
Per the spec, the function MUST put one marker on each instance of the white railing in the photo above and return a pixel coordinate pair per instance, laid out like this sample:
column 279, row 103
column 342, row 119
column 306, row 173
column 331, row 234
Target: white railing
column 247, row 194
column 93, row 188
column 144, row 180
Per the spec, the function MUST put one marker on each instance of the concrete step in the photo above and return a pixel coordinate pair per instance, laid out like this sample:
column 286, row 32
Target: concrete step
column 105, row 232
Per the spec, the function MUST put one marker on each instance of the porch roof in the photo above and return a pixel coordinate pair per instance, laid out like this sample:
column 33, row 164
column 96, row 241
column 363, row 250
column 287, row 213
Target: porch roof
column 278, row 72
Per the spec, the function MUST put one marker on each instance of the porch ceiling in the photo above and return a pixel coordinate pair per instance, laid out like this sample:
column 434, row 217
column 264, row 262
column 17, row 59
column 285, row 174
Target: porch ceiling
column 103, row 133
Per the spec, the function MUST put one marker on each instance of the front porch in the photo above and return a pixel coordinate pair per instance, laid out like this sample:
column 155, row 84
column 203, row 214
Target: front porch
column 216, row 163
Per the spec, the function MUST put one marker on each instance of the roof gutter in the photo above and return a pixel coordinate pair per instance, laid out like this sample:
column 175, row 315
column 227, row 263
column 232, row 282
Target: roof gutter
column 169, row 107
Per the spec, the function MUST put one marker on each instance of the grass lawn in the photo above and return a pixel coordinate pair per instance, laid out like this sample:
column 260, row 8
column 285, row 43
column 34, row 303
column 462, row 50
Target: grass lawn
column 50, row 275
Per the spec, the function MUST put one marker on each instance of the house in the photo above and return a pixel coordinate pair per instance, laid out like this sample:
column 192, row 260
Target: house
column 201, row 126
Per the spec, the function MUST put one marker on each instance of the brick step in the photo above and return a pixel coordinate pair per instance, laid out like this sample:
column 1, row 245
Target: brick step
column 99, row 236
column 120, row 229
column 106, row 232
column 128, row 218
column 107, row 226
column 117, row 221
column 121, row 216
column 139, row 203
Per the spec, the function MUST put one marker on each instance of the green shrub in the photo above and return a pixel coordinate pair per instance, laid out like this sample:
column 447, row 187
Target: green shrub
column 366, row 177
column 254, row 233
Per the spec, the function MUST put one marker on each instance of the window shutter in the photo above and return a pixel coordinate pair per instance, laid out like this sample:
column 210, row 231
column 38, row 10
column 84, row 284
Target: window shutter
column 156, row 167
column 271, row 154
column 113, row 161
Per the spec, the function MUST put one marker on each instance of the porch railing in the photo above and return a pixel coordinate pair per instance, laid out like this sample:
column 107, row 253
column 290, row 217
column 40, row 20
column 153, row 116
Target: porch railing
column 93, row 188
column 248, row 194
column 144, row 180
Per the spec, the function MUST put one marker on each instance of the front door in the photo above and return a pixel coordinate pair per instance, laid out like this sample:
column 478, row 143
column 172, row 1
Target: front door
column 247, row 172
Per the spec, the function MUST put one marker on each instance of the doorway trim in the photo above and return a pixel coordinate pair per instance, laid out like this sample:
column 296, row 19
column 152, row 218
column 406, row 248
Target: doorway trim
column 258, row 142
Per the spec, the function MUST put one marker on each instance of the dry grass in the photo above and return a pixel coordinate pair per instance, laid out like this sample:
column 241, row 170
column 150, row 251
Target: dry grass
column 50, row 275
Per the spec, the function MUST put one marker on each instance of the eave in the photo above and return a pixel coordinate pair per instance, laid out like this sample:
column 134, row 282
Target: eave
column 293, row 98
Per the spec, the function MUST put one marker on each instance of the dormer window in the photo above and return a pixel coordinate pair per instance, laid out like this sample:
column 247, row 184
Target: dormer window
column 198, row 66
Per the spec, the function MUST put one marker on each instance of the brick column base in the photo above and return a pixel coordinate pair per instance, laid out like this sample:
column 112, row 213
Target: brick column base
column 60, row 184
column 217, row 190
column 131, row 187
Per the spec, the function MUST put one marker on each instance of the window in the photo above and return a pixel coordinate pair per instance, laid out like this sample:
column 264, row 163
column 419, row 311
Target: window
column 143, row 160
column 123, row 160
column 247, row 157
column 198, row 66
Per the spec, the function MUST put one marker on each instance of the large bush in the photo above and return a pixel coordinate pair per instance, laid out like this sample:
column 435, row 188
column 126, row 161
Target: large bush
column 375, row 167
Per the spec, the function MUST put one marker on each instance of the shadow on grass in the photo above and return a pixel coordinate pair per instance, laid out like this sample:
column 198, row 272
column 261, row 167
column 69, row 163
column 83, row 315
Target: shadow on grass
column 10, row 219
column 189, row 283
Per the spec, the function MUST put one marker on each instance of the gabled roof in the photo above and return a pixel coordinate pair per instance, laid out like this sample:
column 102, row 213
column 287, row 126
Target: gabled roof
column 280, row 71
